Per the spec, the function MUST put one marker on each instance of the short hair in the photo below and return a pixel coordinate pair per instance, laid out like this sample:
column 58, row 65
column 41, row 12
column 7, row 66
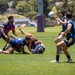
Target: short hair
column 69, row 15
column 10, row 17
column 41, row 50
column 63, row 12
column 27, row 37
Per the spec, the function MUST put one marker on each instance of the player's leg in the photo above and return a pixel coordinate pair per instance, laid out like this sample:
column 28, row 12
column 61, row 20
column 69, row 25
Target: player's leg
column 8, row 51
column 58, row 39
column 21, row 49
column 64, row 46
column 68, row 43
column 7, row 41
column 59, row 45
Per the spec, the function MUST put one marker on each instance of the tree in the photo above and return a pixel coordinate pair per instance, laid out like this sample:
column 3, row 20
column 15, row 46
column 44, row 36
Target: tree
column 3, row 6
column 47, row 6
column 27, row 8
column 69, row 6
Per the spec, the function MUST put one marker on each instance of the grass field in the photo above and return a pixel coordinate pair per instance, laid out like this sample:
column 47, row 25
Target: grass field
column 37, row 64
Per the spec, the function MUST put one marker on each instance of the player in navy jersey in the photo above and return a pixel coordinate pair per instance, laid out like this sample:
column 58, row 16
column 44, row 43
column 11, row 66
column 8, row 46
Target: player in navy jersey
column 63, row 19
column 16, row 44
column 38, row 47
column 6, row 28
column 69, row 41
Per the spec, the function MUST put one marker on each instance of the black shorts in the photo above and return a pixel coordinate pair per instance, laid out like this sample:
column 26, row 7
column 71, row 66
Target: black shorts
column 2, row 36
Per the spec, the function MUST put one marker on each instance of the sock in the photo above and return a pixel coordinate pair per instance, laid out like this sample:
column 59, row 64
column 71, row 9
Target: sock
column 57, row 57
column 4, row 47
column 68, row 56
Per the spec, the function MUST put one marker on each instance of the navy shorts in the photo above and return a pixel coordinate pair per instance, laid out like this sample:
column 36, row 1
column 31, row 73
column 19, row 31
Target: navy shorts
column 69, row 42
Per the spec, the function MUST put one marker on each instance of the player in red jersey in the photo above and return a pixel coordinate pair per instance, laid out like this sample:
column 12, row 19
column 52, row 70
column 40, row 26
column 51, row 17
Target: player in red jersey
column 6, row 28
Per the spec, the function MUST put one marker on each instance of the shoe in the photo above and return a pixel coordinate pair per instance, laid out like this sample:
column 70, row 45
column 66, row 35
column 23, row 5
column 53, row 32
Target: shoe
column 1, row 50
column 54, row 61
column 69, row 60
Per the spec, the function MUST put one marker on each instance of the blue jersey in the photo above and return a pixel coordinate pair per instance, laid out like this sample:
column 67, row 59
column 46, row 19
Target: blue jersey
column 36, row 47
column 17, row 42
column 63, row 26
column 70, row 36
column 72, row 31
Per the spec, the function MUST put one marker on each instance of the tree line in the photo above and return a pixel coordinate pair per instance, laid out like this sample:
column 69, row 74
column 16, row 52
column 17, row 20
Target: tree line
column 29, row 8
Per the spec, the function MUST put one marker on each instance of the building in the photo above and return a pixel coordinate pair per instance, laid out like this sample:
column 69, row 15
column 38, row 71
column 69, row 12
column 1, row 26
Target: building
column 58, row 2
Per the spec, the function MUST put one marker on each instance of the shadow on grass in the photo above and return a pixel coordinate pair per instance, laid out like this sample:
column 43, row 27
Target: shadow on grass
column 21, row 54
column 68, row 62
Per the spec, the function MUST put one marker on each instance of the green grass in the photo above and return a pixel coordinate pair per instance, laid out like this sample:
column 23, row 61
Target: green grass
column 37, row 64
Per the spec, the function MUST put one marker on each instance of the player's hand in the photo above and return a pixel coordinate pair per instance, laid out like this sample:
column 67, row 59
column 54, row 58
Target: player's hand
column 63, row 34
column 55, row 16
column 19, row 28
column 6, row 37
column 57, row 22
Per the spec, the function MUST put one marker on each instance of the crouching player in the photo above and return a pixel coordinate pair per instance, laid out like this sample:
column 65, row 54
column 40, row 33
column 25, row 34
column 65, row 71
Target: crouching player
column 16, row 44
column 35, row 46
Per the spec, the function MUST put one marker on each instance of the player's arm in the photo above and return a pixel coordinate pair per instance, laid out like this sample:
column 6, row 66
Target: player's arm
column 67, row 30
column 14, row 32
column 22, row 31
column 2, row 30
column 25, row 33
column 56, row 20
column 62, row 22
column 30, row 47
column 12, row 36
column 38, row 42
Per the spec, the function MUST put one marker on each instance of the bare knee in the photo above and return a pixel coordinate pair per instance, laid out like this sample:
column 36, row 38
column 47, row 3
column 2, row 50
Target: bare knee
column 57, row 45
column 57, row 40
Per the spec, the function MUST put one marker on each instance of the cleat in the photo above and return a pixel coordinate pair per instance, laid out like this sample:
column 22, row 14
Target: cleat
column 54, row 61
column 69, row 60
column 1, row 50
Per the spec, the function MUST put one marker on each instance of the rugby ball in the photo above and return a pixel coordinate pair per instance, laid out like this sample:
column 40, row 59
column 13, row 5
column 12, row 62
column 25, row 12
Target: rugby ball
column 51, row 14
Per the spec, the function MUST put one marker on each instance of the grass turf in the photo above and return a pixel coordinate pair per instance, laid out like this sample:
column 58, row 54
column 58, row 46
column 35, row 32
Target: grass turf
column 37, row 64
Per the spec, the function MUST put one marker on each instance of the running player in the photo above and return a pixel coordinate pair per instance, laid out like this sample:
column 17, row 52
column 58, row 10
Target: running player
column 6, row 27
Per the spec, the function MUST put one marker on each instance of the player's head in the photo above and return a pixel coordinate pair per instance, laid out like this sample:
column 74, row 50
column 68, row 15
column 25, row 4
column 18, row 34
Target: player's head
column 40, row 50
column 11, row 19
column 69, row 15
column 27, row 38
column 62, row 13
